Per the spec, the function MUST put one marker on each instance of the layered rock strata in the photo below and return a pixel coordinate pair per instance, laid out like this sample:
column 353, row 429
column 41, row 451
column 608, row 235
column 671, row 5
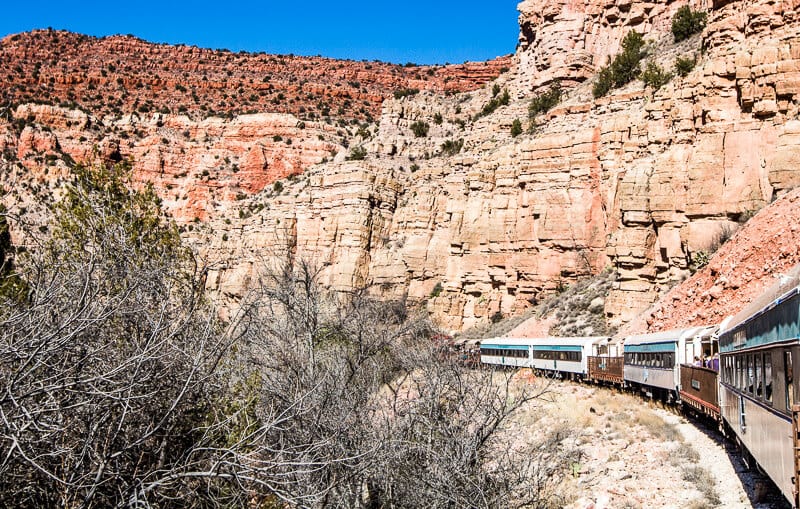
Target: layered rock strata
column 117, row 75
column 448, row 207
column 642, row 181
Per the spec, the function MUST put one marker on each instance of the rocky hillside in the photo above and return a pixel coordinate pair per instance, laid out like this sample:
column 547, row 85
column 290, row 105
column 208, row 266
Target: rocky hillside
column 442, row 201
column 205, row 127
column 118, row 75
column 756, row 258
column 478, row 221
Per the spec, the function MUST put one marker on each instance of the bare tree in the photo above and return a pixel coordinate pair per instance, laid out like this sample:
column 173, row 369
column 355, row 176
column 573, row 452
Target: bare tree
column 119, row 387
column 372, row 415
column 108, row 364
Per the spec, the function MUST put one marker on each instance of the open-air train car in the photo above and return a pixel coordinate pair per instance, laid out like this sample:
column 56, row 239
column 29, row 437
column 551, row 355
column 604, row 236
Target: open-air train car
column 605, row 365
column 700, row 378
column 652, row 361
column 562, row 356
column 758, row 396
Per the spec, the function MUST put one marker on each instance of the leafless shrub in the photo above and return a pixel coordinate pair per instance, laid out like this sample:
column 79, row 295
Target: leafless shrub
column 370, row 413
column 108, row 363
column 120, row 388
column 703, row 481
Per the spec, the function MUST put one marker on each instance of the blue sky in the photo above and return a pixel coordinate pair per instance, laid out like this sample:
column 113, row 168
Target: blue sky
column 420, row 31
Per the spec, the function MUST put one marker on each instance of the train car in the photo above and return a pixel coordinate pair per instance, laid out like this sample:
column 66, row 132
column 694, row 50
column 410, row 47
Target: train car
column 757, row 394
column 700, row 379
column 652, row 361
column 605, row 365
column 513, row 352
column 566, row 357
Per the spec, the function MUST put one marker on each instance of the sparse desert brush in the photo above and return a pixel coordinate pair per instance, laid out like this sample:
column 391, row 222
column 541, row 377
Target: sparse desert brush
column 704, row 482
column 656, row 426
column 684, row 454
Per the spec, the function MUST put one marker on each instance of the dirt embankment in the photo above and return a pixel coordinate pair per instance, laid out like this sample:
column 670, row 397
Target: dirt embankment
column 756, row 257
column 633, row 454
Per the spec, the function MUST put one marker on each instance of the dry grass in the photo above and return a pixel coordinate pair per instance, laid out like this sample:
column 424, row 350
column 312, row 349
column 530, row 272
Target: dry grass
column 684, row 454
column 586, row 414
column 656, row 426
column 704, row 482
column 700, row 504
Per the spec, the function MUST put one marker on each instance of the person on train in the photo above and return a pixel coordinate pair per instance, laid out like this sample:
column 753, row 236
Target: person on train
column 714, row 362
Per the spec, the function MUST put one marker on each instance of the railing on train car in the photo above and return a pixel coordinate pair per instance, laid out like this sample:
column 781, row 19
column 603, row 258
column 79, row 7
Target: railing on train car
column 699, row 388
column 608, row 369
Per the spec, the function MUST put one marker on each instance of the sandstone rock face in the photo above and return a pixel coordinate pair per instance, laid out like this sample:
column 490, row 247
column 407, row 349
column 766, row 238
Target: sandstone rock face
column 756, row 257
column 117, row 75
column 567, row 40
column 641, row 181
column 198, row 167
column 448, row 207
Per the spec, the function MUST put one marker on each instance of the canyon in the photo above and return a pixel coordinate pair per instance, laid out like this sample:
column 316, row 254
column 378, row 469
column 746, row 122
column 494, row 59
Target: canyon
column 410, row 180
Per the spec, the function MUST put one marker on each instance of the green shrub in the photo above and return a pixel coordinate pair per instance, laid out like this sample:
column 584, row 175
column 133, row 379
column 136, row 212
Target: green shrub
column 699, row 260
column 493, row 104
column 451, row 148
column 420, row 129
column 683, row 66
column 357, row 153
column 687, row 22
column 625, row 66
column 437, row 118
column 545, row 101
column 654, row 76
column 604, row 83
column 516, row 128
column 437, row 289
column 405, row 92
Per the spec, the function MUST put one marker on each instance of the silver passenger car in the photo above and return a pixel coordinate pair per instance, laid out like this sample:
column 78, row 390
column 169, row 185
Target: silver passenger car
column 564, row 356
column 758, row 396
column 652, row 361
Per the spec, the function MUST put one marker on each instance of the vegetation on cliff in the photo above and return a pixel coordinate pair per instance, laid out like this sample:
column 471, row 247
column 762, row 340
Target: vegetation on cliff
column 625, row 66
column 687, row 22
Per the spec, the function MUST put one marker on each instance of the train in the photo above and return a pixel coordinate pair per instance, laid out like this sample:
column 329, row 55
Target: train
column 738, row 373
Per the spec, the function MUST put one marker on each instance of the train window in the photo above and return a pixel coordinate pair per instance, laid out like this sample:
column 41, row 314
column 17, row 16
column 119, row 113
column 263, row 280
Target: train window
column 789, row 380
column 750, row 374
column 768, row 377
column 730, row 369
column 730, row 373
column 725, row 376
column 758, row 374
column 738, row 384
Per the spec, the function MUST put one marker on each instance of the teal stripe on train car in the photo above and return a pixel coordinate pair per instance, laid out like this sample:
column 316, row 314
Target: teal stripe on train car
column 504, row 347
column 558, row 348
column 778, row 322
column 651, row 347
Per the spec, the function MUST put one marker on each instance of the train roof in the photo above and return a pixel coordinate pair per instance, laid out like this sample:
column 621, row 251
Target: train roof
column 787, row 285
column 669, row 335
column 569, row 341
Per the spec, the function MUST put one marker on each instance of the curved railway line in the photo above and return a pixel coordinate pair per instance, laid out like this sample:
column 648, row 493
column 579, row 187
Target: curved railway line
column 738, row 374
